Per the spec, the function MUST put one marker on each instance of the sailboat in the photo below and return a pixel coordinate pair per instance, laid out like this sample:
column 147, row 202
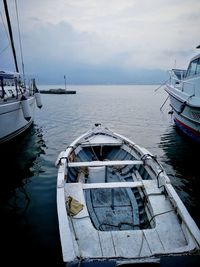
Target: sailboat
column 17, row 101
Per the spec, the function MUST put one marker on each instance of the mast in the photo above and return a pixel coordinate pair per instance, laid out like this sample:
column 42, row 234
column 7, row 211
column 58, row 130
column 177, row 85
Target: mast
column 11, row 35
column 65, row 81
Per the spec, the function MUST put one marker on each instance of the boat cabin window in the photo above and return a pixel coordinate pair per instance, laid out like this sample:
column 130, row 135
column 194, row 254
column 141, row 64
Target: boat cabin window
column 194, row 68
column 198, row 67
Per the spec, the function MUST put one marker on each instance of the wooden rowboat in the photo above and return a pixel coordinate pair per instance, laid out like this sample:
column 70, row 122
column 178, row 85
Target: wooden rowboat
column 116, row 204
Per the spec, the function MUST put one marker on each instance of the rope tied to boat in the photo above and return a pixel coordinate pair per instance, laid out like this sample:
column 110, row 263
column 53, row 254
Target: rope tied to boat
column 59, row 162
column 144, row 158
column 66, row 158
column 119, row 225
column 161, row 213
column 145, row 199
column 182, row 107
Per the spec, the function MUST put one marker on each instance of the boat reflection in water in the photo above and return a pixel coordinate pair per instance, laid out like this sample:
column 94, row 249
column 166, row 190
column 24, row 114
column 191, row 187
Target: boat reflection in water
column 19, row 161
column 182, row 161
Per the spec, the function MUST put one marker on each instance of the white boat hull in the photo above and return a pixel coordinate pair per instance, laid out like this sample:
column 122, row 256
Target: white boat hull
column 186, row 114
column 12, row 119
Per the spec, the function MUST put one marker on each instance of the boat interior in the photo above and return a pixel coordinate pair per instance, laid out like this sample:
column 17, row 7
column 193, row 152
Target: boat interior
column 115, row 208
column 122, row 200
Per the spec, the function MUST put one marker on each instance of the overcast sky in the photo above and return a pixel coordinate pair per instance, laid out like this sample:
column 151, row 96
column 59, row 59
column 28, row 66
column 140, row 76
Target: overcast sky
column 102, row 41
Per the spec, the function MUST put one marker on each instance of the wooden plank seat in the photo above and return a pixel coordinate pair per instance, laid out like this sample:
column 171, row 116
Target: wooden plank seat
column 104, row 163
column 112, row 185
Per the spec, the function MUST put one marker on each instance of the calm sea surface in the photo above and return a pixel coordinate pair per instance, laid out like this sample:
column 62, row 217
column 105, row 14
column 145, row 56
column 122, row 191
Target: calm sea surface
column 29, row 227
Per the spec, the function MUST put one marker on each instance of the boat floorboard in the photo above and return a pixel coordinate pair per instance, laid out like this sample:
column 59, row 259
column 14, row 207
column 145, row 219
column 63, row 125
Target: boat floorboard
column 95, row 244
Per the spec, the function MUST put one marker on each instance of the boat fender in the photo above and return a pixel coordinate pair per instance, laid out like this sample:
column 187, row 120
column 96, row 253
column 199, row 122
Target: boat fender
column 25, row 108
column 37, row 95
column 38, row 99
column 182, row 107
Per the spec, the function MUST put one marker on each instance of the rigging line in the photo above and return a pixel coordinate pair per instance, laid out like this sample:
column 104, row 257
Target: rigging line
column 20, row 41
column 161, row 85
column 4, row 49
column 10, row 33
column 6, row 31
column 164, row 103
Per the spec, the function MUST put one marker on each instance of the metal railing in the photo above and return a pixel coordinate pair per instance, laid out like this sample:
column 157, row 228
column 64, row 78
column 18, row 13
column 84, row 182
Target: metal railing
column 180, row 83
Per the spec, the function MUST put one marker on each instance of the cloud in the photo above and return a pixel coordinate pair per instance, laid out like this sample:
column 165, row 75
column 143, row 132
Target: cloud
column 127, row 36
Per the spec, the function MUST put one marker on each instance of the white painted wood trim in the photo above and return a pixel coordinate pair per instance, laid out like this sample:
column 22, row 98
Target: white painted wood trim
column 188, row 220
column 112, row 185
column 68, row 251
column 104, row 163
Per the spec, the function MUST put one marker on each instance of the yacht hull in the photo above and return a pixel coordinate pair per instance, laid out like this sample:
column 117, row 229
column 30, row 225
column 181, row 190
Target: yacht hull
column 186, row 115
column 12, row 119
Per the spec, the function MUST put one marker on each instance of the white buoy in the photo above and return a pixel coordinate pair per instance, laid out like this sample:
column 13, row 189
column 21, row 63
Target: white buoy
column 37, row 95
column 38, row 99
column 25, row 108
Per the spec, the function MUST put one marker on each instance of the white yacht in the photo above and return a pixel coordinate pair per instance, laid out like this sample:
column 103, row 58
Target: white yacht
column 183, row 88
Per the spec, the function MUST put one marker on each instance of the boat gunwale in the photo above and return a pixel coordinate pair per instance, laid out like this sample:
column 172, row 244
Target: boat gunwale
column 177, row 97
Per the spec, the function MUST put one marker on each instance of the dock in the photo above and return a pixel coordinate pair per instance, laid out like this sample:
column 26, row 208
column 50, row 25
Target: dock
column 58, row 91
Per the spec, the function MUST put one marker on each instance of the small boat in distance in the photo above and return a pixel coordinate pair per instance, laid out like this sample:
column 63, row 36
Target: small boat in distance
column 58, row 91
column 183, row 88
column 116, row 204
